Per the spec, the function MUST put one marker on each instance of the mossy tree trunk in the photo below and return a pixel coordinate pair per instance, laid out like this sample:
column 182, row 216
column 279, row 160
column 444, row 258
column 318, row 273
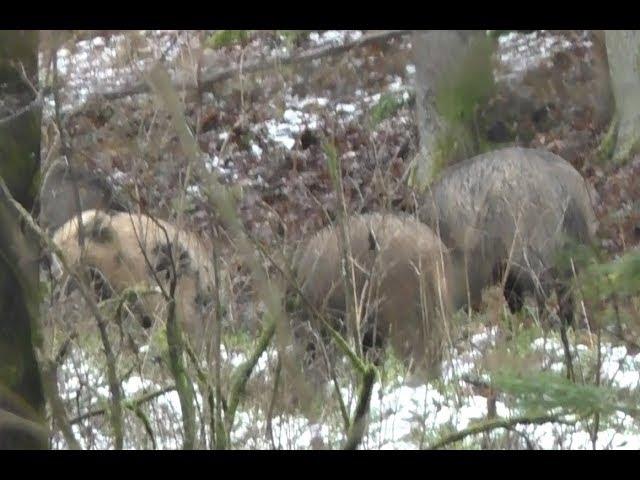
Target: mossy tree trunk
column 623, row 50
column 453, row 75
column 22, row 404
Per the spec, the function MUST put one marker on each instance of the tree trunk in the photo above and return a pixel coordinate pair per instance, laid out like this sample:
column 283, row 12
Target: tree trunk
column 22, row 405
column 453, row 74
column 623, row 50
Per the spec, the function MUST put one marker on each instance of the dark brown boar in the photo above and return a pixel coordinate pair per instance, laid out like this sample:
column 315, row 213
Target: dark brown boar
column 505, row 215
column 400, row 269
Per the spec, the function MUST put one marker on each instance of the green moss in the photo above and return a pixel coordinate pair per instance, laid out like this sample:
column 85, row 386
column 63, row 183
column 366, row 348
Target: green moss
column 239, row 340
column 615, row 147
column 225, row 38
column 293, row 37
column 10, row 373
column 333, row 161
column 626, row 148
column 458, row 99
column 453, row 144
column 608, row 144
column 244, row 141
column 445, row 430
column 388, row 105
column 468, row 85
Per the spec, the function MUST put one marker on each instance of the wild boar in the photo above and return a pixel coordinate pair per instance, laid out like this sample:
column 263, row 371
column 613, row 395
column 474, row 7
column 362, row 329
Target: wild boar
column 510, row 212
column 400, row 273
column 116, row 244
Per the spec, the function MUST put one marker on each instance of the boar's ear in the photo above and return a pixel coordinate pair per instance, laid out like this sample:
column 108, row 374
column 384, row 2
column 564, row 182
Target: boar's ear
column 99, row 229
column 374, row 246
column 111, row 199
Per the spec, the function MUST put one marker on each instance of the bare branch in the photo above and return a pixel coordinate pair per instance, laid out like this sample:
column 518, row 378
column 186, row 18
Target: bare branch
column 359, row 423
column 490, row 425
column 213, row 76
column 243, row 372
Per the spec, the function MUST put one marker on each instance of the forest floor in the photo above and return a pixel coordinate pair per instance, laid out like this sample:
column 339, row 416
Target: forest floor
column 266, row 132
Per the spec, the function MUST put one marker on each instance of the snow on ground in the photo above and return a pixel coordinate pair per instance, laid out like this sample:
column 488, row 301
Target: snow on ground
column 401, row 416
column 335, row 37
column 96, row 66
column 519, row 52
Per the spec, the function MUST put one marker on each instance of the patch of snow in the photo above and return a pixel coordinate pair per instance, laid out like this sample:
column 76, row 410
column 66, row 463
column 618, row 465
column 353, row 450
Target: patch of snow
column 336, row 37
column 98, row 42
column 135, row 384
column 518, row 52
column 257, row 151
column 213, row 163
column 294, row 117
column 396, row 85
column 294, row 120
column 345, row 107
column 281, row 133
column 485, row 338
column 375, row 98
column 300, row 103
column 400, row 413
column 617, row 354
column 117, row 176
column 475, row 409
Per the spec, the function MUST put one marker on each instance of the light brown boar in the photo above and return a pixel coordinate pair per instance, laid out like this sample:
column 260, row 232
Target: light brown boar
column 115, row 247
column 506, row 216
column 400, row 269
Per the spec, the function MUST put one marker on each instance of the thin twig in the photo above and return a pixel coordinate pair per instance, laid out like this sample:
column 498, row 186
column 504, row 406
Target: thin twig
column 218, row 428
column 272, row 403
column 59, row 413
column 135, row 403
